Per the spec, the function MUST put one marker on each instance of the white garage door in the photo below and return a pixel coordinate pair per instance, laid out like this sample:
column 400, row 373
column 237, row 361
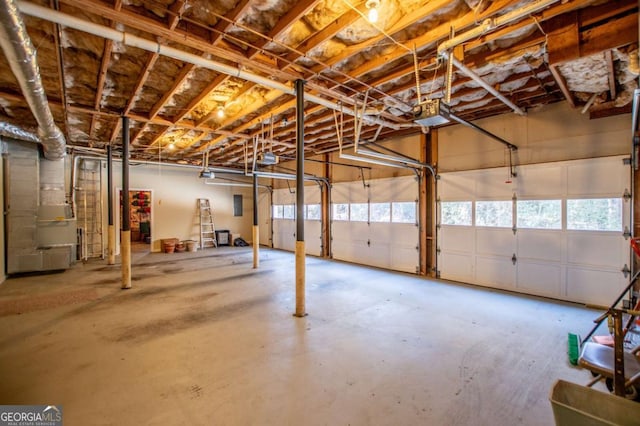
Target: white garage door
column 284, row 223
column 555, row 230
column 376, row 225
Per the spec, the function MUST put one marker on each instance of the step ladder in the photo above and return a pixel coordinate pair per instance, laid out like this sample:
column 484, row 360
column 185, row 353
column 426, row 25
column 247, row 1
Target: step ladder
column 207, row 230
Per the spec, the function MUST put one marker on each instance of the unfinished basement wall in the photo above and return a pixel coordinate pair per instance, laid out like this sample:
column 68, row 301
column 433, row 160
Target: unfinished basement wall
column 174, row 192
column 554, row 133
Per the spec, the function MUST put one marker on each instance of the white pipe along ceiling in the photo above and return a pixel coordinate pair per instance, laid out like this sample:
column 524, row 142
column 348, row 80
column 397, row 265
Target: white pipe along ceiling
column 150, row 46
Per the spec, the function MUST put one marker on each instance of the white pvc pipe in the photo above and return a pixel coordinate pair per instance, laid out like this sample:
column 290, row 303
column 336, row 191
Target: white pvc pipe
column 50, row 15
column 490, row 24
column 589, row 103
column 475, row 77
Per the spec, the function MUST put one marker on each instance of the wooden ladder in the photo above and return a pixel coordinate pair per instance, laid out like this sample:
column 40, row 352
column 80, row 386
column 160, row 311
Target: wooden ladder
column 207, row 230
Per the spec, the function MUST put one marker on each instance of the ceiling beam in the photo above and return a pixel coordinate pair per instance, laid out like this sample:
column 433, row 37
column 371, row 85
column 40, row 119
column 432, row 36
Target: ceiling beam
column 176, row 11
column 319, row 37
column 229, row 19
column 102, row 73
column 298, row 10
column 191, row 106
column 60, row 68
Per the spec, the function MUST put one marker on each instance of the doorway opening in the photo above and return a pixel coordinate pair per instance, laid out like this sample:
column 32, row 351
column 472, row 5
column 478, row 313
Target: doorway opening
column 140, row 218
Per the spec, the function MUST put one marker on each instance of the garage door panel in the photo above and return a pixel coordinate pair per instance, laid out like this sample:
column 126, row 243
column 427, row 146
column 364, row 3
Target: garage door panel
column 350, row 251
column 597, row 249
column 340, row 193
column 457, row 238
column 457, row 186
column 543, row 182
column 380, row 232
column 496, row 272
column 312, row 194
column 599, row 178
column 395, row 189
column 592, row 286
column 540, row 245
column 341, row 231
column 283, row 196
column 456, row 266
column 404, row 259
column 313, row 242
column 544, row 279
column 283, row 234
column 378, row 254
column 499, row 242
column 358, row 193
column 404, row 235
column 491, row 184
column 359, row 231
column 581, row 266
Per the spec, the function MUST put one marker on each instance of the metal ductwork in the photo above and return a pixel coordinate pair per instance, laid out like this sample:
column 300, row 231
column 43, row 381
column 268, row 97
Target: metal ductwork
column 14, row 132
column 21, row 56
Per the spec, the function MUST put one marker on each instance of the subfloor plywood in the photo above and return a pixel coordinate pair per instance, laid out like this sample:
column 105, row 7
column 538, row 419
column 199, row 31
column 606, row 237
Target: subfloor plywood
column 202, row 338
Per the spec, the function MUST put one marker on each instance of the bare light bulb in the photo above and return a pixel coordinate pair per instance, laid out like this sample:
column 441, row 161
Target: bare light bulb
column 220, row 112
column 171, row 147
column 373, row 14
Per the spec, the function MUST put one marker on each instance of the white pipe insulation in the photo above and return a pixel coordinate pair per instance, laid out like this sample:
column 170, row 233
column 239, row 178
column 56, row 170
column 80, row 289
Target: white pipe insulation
column 50, row 15
column 21, row 55
column 14, row 132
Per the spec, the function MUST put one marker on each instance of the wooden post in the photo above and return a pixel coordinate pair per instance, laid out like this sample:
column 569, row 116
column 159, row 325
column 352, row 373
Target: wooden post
column 423, row 201
column 300, row 249
column 427, row 205
column 125, row 235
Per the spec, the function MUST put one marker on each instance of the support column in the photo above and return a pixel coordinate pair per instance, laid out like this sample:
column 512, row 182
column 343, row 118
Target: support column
column 256, row 229
column 423, row 216
column 432, row 206
column 111, row 229
column 125, row 235
column 326, row 210
column 300, row 249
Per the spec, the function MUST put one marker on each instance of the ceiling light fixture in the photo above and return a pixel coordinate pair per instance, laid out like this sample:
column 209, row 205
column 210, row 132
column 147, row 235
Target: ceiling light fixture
column 373, row 6
column 171, row 146
column 220, row 112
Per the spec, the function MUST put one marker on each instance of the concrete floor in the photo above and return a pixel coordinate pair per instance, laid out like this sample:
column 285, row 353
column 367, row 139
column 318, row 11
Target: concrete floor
column 203, row 339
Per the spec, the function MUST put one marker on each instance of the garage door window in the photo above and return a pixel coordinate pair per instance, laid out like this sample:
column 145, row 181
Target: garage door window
column 456, row 213
column 277, row 211
column 341, row 212
column 403, row 212
column 288, row 211
column 380, row 212
column 494, row 213
column 359, row 212
column 539, row 214
column 312, row 212
column 595, row 214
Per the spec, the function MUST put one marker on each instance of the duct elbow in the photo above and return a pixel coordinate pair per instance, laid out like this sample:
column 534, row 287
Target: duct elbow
column 53, row 143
